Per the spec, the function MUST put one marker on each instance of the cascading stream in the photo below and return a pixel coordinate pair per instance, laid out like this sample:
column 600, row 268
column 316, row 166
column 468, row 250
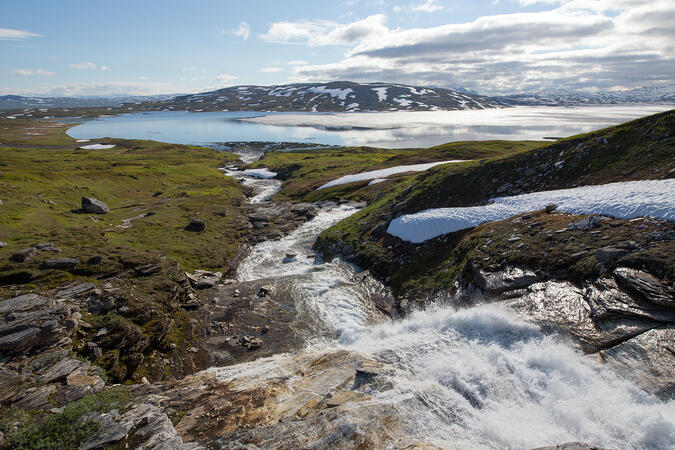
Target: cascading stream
column 471, row 378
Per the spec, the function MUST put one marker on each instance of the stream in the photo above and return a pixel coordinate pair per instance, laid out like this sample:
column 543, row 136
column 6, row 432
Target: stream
column 479, row 377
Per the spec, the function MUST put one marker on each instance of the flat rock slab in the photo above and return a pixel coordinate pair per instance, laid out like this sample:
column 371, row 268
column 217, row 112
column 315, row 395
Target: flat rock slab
column 22, row 303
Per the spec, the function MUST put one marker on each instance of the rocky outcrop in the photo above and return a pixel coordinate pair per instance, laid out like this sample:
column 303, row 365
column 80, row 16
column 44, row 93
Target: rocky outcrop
column 196, row 225
column 94, row 206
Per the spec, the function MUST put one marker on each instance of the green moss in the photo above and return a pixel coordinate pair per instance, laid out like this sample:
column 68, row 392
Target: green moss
column 27, row 430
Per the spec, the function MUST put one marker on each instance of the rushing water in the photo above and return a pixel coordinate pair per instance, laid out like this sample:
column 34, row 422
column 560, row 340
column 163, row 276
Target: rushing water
column 471, row 378
column 399, row 129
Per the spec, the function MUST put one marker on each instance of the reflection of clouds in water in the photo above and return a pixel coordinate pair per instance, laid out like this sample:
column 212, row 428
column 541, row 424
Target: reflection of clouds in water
column 383, row 129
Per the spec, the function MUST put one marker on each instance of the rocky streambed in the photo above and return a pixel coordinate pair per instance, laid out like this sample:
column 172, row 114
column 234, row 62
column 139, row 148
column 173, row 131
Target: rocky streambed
column 307, row 352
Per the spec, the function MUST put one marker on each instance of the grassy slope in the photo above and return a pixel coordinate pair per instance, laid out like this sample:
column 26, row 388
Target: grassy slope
column 641, row 149
column 304, row 171
column 127, row 178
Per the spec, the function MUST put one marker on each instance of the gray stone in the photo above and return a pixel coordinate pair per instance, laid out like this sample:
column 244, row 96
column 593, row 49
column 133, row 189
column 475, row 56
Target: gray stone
column 587, row 223
column 62, row 369
column 645, row 285
column 551, row 207
column 609, row 255
column 60, row 263
column 505, row 280
column 19, row 341
column 24, row 254
column 94, row 206
column 571, row 445
column 78, row 289
column 22, row 303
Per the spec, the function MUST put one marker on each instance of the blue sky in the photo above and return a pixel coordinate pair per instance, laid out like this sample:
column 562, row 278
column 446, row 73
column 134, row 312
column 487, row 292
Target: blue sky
column 147, row 47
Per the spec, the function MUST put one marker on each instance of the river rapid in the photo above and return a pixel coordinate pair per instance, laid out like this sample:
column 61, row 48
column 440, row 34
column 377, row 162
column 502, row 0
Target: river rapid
column 478, row 377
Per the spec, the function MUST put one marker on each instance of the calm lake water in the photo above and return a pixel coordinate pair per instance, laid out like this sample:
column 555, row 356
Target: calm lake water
column 399, row 129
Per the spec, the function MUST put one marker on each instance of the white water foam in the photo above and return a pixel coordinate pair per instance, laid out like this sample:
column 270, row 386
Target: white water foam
column 480, row 378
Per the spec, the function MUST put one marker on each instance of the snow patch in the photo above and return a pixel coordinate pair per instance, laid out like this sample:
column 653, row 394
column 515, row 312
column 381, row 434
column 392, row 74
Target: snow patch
column 383, row 173
column 625, row 200
column 381, row 93
column 377, row 180
column 339, row 93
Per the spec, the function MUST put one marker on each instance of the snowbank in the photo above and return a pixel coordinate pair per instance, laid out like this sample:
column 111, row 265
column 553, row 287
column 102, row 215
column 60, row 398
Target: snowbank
column 97, row 146
column 627, row 200
column 383, row 173
column 260, row 173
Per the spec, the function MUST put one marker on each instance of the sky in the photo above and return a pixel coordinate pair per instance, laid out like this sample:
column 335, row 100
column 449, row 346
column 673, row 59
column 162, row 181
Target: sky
column 77, row 47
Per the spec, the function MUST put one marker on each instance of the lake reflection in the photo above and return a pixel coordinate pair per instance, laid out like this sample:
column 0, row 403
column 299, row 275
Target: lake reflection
column 382, row 129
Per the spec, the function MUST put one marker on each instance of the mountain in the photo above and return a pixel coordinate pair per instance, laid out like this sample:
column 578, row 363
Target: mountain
column 662, row 95
column 22, row 102
column 333, row 96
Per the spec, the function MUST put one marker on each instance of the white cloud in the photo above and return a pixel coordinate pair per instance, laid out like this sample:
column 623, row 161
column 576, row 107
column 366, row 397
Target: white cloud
column 105, row 68
column 605, row 44
column 323, row 32
column 29, row 72
column 243, row 31
column 297, row 62
column 190, row 69
column 83, row 66
column 142, row 78
column 429, row 6
column 396, row 8
column 270, row 69
column 226, row 78
column 8, row 34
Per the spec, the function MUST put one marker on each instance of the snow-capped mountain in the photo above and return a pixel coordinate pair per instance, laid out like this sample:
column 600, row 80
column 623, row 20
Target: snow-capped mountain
column 662, row 95
column 333, row 96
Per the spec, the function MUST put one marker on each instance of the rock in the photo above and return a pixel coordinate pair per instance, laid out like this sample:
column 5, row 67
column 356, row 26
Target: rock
column 250, row 342
column 505, row 280
column 504, row 187
column 146, row 270
column 196, row 225
column 109, row 432
column 44, row 246
column 95, row 259
column 348, row 249
column 22, row 303
column 571, row 445
column 551, row 207
column 60, row 263
column 3, row 244
column 24, row 254
column 19, row 341
column 645, row 285
column 266, row 291
column 290, row 256
column 203, row 279
column 62, row 369
column 609, row 255
column 587, row 223
column 75, row 290
column 95, row 206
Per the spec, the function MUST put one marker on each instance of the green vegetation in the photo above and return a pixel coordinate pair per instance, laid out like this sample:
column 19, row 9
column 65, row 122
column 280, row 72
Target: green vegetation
column 304, row 171
column 641, row 149
column 61, row 431
column 41, row 190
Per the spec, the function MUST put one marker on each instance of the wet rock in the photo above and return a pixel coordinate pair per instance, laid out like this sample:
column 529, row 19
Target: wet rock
column 60, row 263
column 266, row 291
column 571, row 446
column 24, row 254
column 95, row 206
column 505, row 280
column 250, row 342
column 551, row 207
column 609, row 255
column 644, row 285
column 196, row 225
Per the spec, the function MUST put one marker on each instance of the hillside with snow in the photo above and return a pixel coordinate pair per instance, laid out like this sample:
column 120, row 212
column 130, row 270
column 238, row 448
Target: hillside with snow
column 333, row 96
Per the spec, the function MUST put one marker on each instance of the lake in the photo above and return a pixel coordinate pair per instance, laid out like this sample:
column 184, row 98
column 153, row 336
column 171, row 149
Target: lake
column 399, row 129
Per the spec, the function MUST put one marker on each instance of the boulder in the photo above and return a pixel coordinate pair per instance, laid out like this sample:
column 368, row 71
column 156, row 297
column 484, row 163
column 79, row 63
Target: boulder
column 60, row 263
column 644, row 285
column 22, row 303
column 24, row 254
column 196, row 225
column 508, row 279
column 551, row 207
column 203, row 279
column 609, row 255
column 95, row 206
column 587, row 223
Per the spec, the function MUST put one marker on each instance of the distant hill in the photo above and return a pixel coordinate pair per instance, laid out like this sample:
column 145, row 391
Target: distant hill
column 575, row 98
column 22, row 102
column 333, row 96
